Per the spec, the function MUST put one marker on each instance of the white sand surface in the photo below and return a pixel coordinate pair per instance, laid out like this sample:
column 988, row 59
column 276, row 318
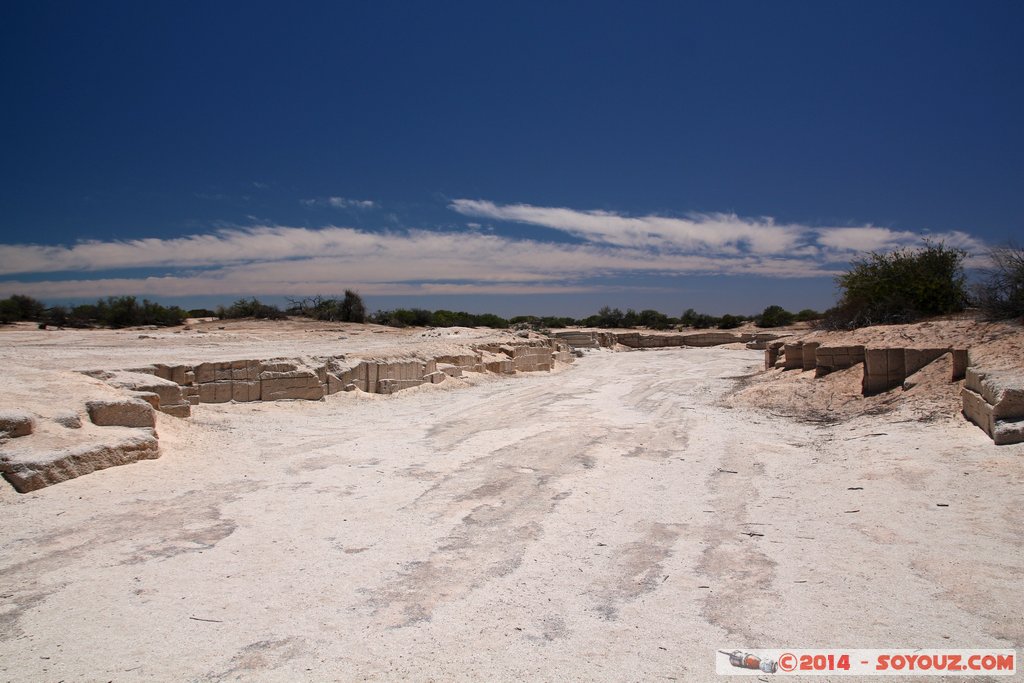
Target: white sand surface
column 614, row 521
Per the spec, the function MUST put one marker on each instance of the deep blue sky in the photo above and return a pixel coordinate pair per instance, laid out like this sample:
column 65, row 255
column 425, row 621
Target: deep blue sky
column 135, row 120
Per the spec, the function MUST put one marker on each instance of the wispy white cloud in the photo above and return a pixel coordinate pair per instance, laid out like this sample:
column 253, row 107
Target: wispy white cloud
column 273, row 259
column 340, row 203
column 725, row 234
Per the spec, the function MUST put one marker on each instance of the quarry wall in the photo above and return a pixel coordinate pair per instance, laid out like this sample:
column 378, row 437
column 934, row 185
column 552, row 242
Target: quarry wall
column 991, row 399
column 122, row 430
column 37, row 453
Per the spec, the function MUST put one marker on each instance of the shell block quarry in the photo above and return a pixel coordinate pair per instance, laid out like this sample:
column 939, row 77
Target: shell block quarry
column 992, row 399
column 120, row 430
column 593, row 339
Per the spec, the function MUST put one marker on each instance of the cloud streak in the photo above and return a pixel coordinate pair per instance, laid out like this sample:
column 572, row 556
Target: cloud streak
column 724, row 234
column 340, row 203
column 598, row 248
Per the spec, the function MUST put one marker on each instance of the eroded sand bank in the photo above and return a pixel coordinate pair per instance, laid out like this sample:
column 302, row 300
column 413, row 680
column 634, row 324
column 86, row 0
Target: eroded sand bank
column 614, row 521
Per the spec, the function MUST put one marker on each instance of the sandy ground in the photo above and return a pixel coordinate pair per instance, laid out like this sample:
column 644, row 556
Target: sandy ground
column 615, row 521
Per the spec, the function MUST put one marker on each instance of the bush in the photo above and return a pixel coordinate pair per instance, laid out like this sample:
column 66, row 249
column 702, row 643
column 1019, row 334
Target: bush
column 201, row 313
column 654, row 320
column 729, row 322
column 122, row 311
column 692, row 318
column 900, row 287
column 250, row 308
column 349, row 310
column 1001, row 295
column 775, row 316
column 607, row 317
column 21, row 307
column 418, row 317
column 353, row 309
column 542, row 322
column 807, row 315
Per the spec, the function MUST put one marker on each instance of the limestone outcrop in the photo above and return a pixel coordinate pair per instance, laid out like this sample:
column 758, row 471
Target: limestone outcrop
column 645, row 340
column 178, row 387
column 128, row 420
column 886, row 369
column 592, row 339
column 994, row 400
column 826, row 359
column 584, row 339
column 127, row 412
column 16, row 423
column 30, row 468
column 163, row 393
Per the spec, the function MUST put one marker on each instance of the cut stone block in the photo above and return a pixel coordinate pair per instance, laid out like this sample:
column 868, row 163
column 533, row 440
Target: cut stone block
column 215, row 392
column 245, row 370
column 180, row 410
column 69, row 419
column 391, row 386
column 170, row 393
column 896, row 364
column 959, row 363
column 179, row 374
column 579, row 340
column 915, row 359
column 17, row 423
column 450, row 370
column 302, row 384
column 808, row 355
column 149, row 397
column 371, row 377
column 243, row 391
column 502, row 367
column 982, row 413
column 465, row 362
column 212, row 372
column 129, row 412
column 30, row 469
column 1004, row 391
column 710, row 339
column 793, row 356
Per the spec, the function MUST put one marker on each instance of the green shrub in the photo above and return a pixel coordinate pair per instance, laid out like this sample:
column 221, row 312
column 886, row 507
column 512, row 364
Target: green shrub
column 900, row 286
column 807, row 315
column 21, row 307
column 607, row 317
column 350, row 309
column 418, row 317
column 120, row 311
column 775, row 316
column 729, row 322
column 654, row 320
column 1000, row 295
column 700, row 321
column 250, row 308
column 542, row 322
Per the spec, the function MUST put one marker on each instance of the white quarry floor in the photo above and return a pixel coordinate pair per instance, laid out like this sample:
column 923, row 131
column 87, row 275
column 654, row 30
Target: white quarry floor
column 588, row 524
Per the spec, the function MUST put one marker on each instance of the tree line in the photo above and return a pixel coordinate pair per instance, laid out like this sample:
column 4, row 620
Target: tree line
column 898, row 286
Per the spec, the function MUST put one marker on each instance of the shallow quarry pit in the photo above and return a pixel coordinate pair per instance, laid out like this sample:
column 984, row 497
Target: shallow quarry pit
column 612, row 521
